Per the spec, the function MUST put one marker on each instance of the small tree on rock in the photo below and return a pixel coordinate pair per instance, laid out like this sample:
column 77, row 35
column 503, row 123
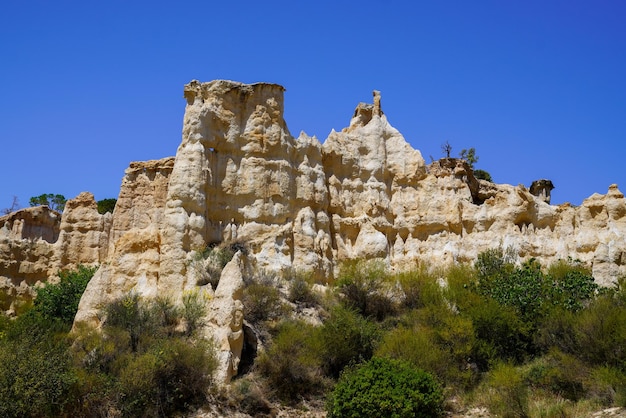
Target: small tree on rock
column 53, row 201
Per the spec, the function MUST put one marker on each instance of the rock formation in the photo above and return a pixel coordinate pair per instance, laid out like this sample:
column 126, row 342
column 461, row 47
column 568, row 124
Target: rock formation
column 36, row 242
column 240, row 176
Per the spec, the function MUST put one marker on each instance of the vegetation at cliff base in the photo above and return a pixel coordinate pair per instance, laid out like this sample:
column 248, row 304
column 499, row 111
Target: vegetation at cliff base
column 509, row 335
column 145, row 361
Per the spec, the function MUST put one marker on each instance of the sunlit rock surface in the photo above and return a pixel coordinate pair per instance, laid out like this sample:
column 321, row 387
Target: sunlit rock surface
column 240, row 176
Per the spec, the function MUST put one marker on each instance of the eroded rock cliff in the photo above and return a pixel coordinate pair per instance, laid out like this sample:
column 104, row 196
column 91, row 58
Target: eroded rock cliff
column 240, row 176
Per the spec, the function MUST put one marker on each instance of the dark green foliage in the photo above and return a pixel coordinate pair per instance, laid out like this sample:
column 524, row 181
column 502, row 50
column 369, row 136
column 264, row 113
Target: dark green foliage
column 385, row 388
column 523, row 289
column 500, row 334
column 106, row 205
column 171, row 376
column 262, row 302
column 291, row 364
column 601, row 333
column 35, row 368
column 420, row 288
column 53, row 201
column 483, row 175
column 346, row 338
column 363, row 286
column 194, row 308
column 131, row 316
column 60, row 300
column 470, row 156
column 300, row 291
column 572, row 285
column 560, row 373
column 438, row 341
column 141, row 364
column 509, row 393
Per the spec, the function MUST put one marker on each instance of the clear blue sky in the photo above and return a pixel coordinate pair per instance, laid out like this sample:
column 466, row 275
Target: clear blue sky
column 538, row 87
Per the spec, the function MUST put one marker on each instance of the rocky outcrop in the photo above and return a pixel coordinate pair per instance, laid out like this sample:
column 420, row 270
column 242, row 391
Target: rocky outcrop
column 542, row 189
column 37, row 242
column 240, row 176
column 225, row 319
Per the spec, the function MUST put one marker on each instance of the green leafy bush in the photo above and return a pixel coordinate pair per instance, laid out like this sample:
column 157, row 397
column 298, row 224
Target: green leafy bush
column 60, row 300
column 194, row 308
column 506, row 391
column 300, row 291
column 601, row 333
column 345, row 338
column 438, row 341
column 573, row 285
column 560, row 373
column 35, row 368
column 363, row 285
column 420, row 288
column 291, row 365
column 500, row 334
column 141, row 363
column 106, row 205
column 171, row 376
column 132, row 316
column 262, row 302
column 483, row 175
column 385, row 388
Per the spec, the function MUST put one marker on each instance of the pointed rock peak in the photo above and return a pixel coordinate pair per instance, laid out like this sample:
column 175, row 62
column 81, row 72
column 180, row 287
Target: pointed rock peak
column 377, row 109
column 614, row 192
column 364, row 112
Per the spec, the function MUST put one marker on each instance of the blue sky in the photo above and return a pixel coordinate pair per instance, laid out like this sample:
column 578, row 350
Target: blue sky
column 537, row 87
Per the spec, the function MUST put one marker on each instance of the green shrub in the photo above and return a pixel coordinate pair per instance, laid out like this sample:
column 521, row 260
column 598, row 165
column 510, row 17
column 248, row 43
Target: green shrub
column 35, row 368
column 345, row 338
column 500, row 334
column 193, row 311
column 494, row 262
column 363, row 286
column 572, row 285
column 300, row 291
column 106, row 205
column 248, row 395
column 507, row 394
column 60, row 300
column 601, row 334
column 607, row 386
column 561, row 374
column 385, row 388
column 133, row 316
column 291, row 365
column 420, row 288
column 438, row 341
column 262, row 302
column 558, row 330
column 483, row 175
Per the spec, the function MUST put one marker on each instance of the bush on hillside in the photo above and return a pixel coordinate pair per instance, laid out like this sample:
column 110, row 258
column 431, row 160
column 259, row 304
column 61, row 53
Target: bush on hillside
column 60, row 300
column 35, row 367
column 291, row 365
column 384, row 387
column 345, row 338
column 363, row 287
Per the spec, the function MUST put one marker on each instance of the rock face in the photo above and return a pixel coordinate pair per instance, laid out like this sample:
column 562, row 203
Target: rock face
column 240, row 176
column 36, row 242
